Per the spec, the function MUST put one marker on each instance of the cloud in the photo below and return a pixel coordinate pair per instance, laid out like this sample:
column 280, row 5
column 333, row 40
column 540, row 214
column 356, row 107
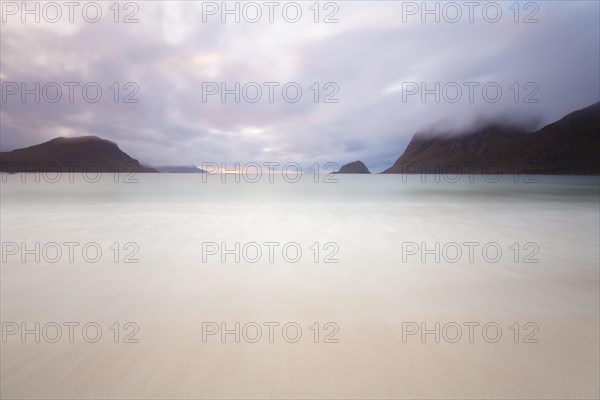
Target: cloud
column 368, row 56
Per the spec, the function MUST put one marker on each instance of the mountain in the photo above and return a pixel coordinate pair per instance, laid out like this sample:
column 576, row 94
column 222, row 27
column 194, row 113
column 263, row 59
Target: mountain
column 77, row 154
column 356, row 167
column 568, row 146
column 190, row 169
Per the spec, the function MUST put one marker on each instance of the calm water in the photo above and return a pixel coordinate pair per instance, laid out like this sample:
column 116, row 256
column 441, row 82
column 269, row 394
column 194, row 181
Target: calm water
column 370, row 225
column 560, row 211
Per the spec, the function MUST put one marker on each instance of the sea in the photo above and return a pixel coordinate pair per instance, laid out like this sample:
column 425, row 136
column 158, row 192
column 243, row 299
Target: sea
column 299, row 286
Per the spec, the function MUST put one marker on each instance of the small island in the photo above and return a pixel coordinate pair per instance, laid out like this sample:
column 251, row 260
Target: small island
column 356, row 167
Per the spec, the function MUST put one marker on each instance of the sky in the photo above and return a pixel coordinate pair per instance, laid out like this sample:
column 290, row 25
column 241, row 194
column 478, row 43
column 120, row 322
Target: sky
column 366, row 67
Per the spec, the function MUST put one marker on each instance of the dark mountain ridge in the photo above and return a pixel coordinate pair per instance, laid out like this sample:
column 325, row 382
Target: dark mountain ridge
column 568, row 146
column 84, row 153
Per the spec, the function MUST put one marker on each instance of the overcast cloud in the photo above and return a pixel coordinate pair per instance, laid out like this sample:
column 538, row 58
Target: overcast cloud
column 369, row 54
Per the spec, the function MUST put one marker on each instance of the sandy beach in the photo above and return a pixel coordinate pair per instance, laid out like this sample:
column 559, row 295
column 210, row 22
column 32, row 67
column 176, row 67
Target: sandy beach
column 370, row 295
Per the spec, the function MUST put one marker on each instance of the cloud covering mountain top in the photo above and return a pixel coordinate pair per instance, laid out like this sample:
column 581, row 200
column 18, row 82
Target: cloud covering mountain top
column 376, row 61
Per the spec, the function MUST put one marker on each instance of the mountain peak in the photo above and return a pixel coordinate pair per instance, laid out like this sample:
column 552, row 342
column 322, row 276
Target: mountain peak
column 80, row 139
column 568, row 146
column 74, row 154
column 356, row 167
